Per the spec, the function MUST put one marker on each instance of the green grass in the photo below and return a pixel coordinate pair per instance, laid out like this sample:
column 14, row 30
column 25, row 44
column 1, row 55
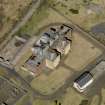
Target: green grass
column 31, row 26
column 49, row 84
column 71, row 96
column 89, row 21
column 25, row 99
column 43, row 102
column 103, row 96
column 95, row 100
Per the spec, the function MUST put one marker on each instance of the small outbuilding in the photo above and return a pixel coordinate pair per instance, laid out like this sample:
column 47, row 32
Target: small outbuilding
column 83, row 81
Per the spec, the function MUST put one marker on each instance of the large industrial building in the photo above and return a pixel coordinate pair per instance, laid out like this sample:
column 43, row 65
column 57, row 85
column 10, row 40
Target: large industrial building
column 49, row 48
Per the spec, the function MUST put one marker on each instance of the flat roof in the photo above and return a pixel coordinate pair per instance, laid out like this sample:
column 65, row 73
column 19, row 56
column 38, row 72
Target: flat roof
column 84, row 78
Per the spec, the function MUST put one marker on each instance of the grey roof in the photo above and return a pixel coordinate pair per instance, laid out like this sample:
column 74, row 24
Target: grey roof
column 51, row 55
column 95, row 7
column 60, row 43
column 38, row 50
column 35, row 61
column 84, row 78
column 45, row 39
column 42, row 46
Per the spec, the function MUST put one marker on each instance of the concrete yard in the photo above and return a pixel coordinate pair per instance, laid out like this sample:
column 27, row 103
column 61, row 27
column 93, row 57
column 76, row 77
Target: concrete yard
column 83, row 52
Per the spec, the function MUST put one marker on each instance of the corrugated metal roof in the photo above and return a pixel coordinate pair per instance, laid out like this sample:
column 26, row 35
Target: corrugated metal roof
column 84, row 78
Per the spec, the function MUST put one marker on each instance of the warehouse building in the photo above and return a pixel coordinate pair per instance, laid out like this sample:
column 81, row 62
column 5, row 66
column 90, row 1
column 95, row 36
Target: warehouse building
column 83, row 81
column 48, row 49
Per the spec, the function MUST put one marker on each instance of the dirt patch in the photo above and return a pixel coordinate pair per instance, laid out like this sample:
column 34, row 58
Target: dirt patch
column 83, row 52
column 48, row 84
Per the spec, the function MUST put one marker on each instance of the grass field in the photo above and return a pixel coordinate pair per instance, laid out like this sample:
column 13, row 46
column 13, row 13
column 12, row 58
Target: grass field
column 83, row 52
column 43, row 102
column 35, row 20
column 2, row 71
column 43, row 17
column 82, row 18
column 12, row 11
column 69, row 98
column 103, row 96
column 72, row 98
column 24, row 100
column 95, row 100
column 49, row 84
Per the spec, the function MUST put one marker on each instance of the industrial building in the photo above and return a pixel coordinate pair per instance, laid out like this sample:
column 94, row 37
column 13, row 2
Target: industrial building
column 49, row 48
column 83, row 81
